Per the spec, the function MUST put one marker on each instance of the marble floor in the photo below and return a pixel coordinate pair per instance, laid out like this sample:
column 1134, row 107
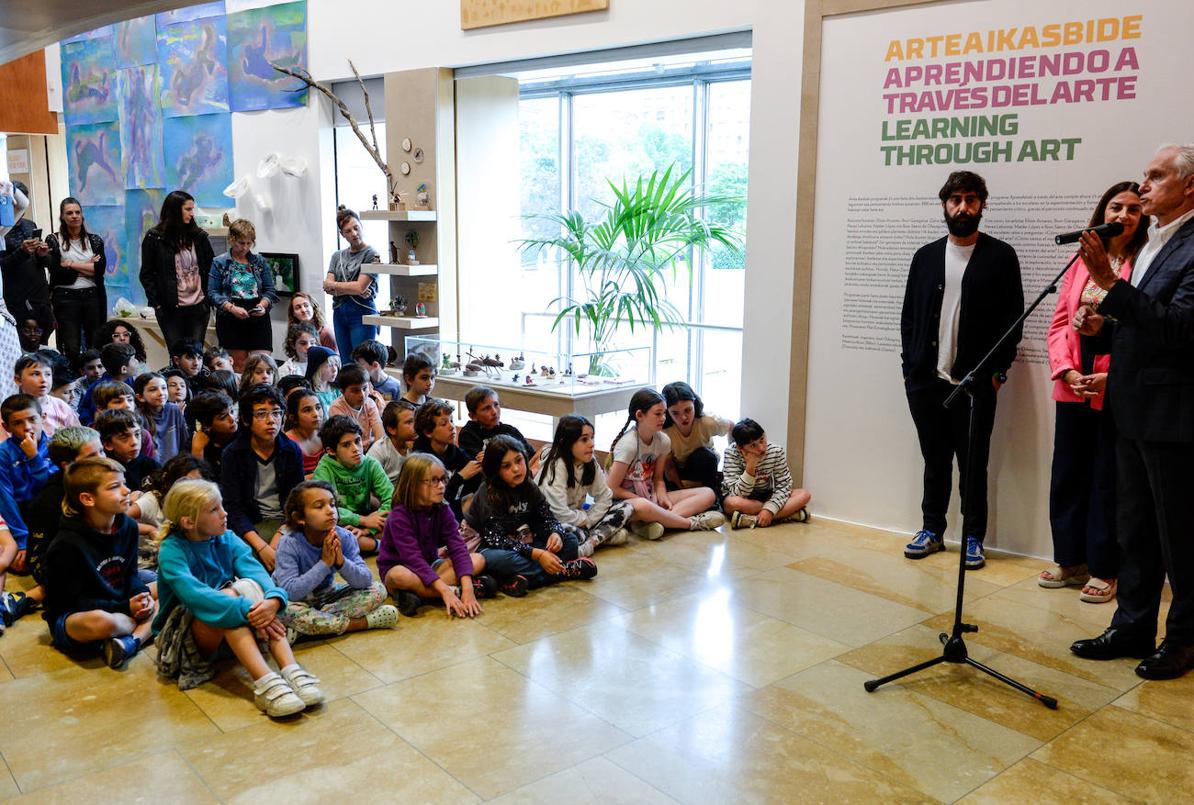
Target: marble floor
column 709, row 667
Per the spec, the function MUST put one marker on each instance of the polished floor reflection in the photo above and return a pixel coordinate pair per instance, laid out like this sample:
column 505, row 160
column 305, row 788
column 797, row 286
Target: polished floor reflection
column 708, row 667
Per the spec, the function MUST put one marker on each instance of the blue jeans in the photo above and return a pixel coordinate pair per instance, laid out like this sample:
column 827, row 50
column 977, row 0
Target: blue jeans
column 503, row 564
column 346, row 320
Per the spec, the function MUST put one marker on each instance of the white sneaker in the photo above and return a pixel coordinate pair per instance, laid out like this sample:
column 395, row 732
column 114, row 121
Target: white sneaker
column 585, row 548
column 650, row 531
column 305, row 685
column 384, row 617
column 619, row 537
column 706, row 521
column 273, row 696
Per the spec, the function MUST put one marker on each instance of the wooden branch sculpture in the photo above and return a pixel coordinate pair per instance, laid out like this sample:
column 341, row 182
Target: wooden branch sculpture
column 375, row 152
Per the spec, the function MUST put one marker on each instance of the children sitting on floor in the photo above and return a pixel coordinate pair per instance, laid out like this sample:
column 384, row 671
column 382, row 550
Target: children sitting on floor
column 312, row 551
column 146, row 506
column 260, row 467
column 162, row 418
column 304, row 417
column 216, row 359
column 372, row 356
column 524, row 545
column 120, row 365
column 213, row 592
column 390, row 452
column 419, row 376
column 639, row 458
column 758, row 484
column 259, row 369
column 187, row 356
column 422, row 556
column 570, row 476
column 95, row 598
column 300, row 337
column 357, row 479
column 120, row 433
column 691, row 430
column 178, row 389
column 215, row 427
column 436, row 435
column 485, row 422
column 355, row 402
column 15, row 604
column 34, row 375
column 24, row 468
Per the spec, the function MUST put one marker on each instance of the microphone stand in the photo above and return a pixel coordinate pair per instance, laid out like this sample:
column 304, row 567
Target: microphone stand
column 955, row 646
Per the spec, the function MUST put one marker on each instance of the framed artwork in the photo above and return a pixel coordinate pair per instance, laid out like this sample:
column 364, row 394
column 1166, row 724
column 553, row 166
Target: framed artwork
column 258, row 38
column 286, row 271
column 199, row 156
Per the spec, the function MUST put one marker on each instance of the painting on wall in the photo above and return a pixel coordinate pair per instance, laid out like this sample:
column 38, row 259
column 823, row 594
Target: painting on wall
column 136, row 42
column 141, row 160
column 191, row 56
column 285, row 268
column 199, row 156
column 189, row 13
column 141, row 211
column 107, row 221
column 93, row 159
column 95, row 33
column 88, row 81
column 257, row 38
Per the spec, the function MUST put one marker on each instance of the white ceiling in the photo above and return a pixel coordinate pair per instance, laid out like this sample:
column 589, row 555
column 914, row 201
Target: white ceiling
column 29, row 25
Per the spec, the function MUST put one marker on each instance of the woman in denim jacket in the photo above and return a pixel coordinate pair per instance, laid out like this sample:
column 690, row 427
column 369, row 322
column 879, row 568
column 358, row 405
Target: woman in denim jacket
column 241, row 288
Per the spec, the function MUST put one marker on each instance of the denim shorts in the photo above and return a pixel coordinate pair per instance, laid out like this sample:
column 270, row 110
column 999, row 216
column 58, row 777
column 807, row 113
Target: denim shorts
column 64, row 642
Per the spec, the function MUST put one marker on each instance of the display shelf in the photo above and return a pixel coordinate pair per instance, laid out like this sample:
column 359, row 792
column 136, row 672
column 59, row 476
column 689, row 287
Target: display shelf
column 402, row 322
column 398, row 215
column 402, row 269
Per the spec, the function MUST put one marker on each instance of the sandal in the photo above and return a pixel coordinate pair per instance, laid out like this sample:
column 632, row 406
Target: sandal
column 1098, row 591
column 1058, row 576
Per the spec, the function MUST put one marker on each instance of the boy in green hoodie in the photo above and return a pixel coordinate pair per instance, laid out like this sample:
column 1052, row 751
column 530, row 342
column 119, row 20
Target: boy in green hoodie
column 95, row 598
column 357, row 479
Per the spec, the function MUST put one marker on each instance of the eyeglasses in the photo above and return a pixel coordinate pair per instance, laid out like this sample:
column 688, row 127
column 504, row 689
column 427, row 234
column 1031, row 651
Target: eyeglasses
column 262, row 416
column 436, row 480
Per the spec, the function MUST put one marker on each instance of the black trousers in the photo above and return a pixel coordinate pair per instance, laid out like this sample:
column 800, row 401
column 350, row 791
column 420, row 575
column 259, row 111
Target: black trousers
column 1155, row 509
column 188, row 322
column 79, row 314
column 1082, row 490
column 942, row 433
column 701, row 466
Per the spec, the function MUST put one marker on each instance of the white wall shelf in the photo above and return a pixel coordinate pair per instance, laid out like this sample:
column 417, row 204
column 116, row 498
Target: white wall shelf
column 402, row 269
column 403, row 322
column 398, row 215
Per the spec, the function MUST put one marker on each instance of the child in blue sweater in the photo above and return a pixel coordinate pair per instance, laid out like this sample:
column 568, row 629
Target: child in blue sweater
column 312, row 551
column 213, row 592
column 24, row 467
column 162, row 417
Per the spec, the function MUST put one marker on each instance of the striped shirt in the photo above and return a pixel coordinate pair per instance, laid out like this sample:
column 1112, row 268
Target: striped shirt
column 772, row 481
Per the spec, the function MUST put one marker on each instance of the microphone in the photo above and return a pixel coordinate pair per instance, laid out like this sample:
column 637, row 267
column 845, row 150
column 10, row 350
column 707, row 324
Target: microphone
column 1104, row 231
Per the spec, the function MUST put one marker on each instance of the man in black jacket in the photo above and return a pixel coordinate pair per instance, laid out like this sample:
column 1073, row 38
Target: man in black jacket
column 963, row 292
column 1151, row 394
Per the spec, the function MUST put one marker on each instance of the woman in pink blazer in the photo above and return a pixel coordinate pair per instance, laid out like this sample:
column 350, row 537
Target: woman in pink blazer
column 1082, row 490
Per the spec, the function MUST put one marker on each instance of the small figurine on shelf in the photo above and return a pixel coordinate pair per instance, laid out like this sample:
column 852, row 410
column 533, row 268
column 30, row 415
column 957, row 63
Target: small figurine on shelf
column 420, row 310
column 473, row 369
column 375, row 201
column 446, row 363
column 397, row 306
column 534, row 369
column 412, row 240
column 519, row 362
column 393, row 252
column 422, row 197
column 569, row 372
column 515, row 378
column 396, row 202
column 530, row 382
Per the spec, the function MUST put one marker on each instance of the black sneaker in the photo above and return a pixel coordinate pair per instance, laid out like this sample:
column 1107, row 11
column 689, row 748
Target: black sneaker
column 583, row 568
column 484, row 586
column 408, row 602
column 7, row 605
column 515, row 586
column 20, row 604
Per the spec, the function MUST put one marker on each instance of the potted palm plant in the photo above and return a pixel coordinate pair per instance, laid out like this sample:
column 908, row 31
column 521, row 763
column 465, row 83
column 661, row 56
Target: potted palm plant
column 624, row 256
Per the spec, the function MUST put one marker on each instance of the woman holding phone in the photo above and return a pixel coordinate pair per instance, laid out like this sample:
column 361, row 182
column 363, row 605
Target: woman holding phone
column 241, row 289
column 77, row 267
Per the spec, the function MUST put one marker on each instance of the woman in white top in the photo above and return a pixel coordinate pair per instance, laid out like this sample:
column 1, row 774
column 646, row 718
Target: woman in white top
column 77, row 267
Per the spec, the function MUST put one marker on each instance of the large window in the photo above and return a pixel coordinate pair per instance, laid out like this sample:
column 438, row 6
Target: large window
column 579, row 131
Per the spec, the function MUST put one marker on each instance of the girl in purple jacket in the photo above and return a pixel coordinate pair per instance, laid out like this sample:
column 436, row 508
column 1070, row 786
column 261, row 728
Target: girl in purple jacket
column 421, row 556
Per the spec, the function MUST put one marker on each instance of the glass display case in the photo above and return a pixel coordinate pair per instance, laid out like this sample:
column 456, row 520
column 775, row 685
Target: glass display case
column 544, row 381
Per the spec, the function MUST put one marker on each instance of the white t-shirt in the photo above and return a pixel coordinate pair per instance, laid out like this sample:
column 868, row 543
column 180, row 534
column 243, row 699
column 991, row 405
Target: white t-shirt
column 641, row 460
column 78, row 251
column 956, row 260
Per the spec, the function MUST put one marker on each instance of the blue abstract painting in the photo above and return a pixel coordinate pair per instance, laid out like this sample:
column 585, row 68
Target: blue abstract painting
column 107, row 221
column 199, row 156
column 190, row 13
column 96, row 33
column 191, row 56
column 136, row 42
column 93, row 157
column 257, row 37
column 141, row 211
column 89, row 81
column 141, row 158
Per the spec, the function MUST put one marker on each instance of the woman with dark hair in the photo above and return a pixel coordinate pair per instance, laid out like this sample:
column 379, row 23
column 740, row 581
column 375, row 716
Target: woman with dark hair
column 119, row 331
column 77, row 265
column 1082, row 490
column 176, row 258
column 352, row 290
